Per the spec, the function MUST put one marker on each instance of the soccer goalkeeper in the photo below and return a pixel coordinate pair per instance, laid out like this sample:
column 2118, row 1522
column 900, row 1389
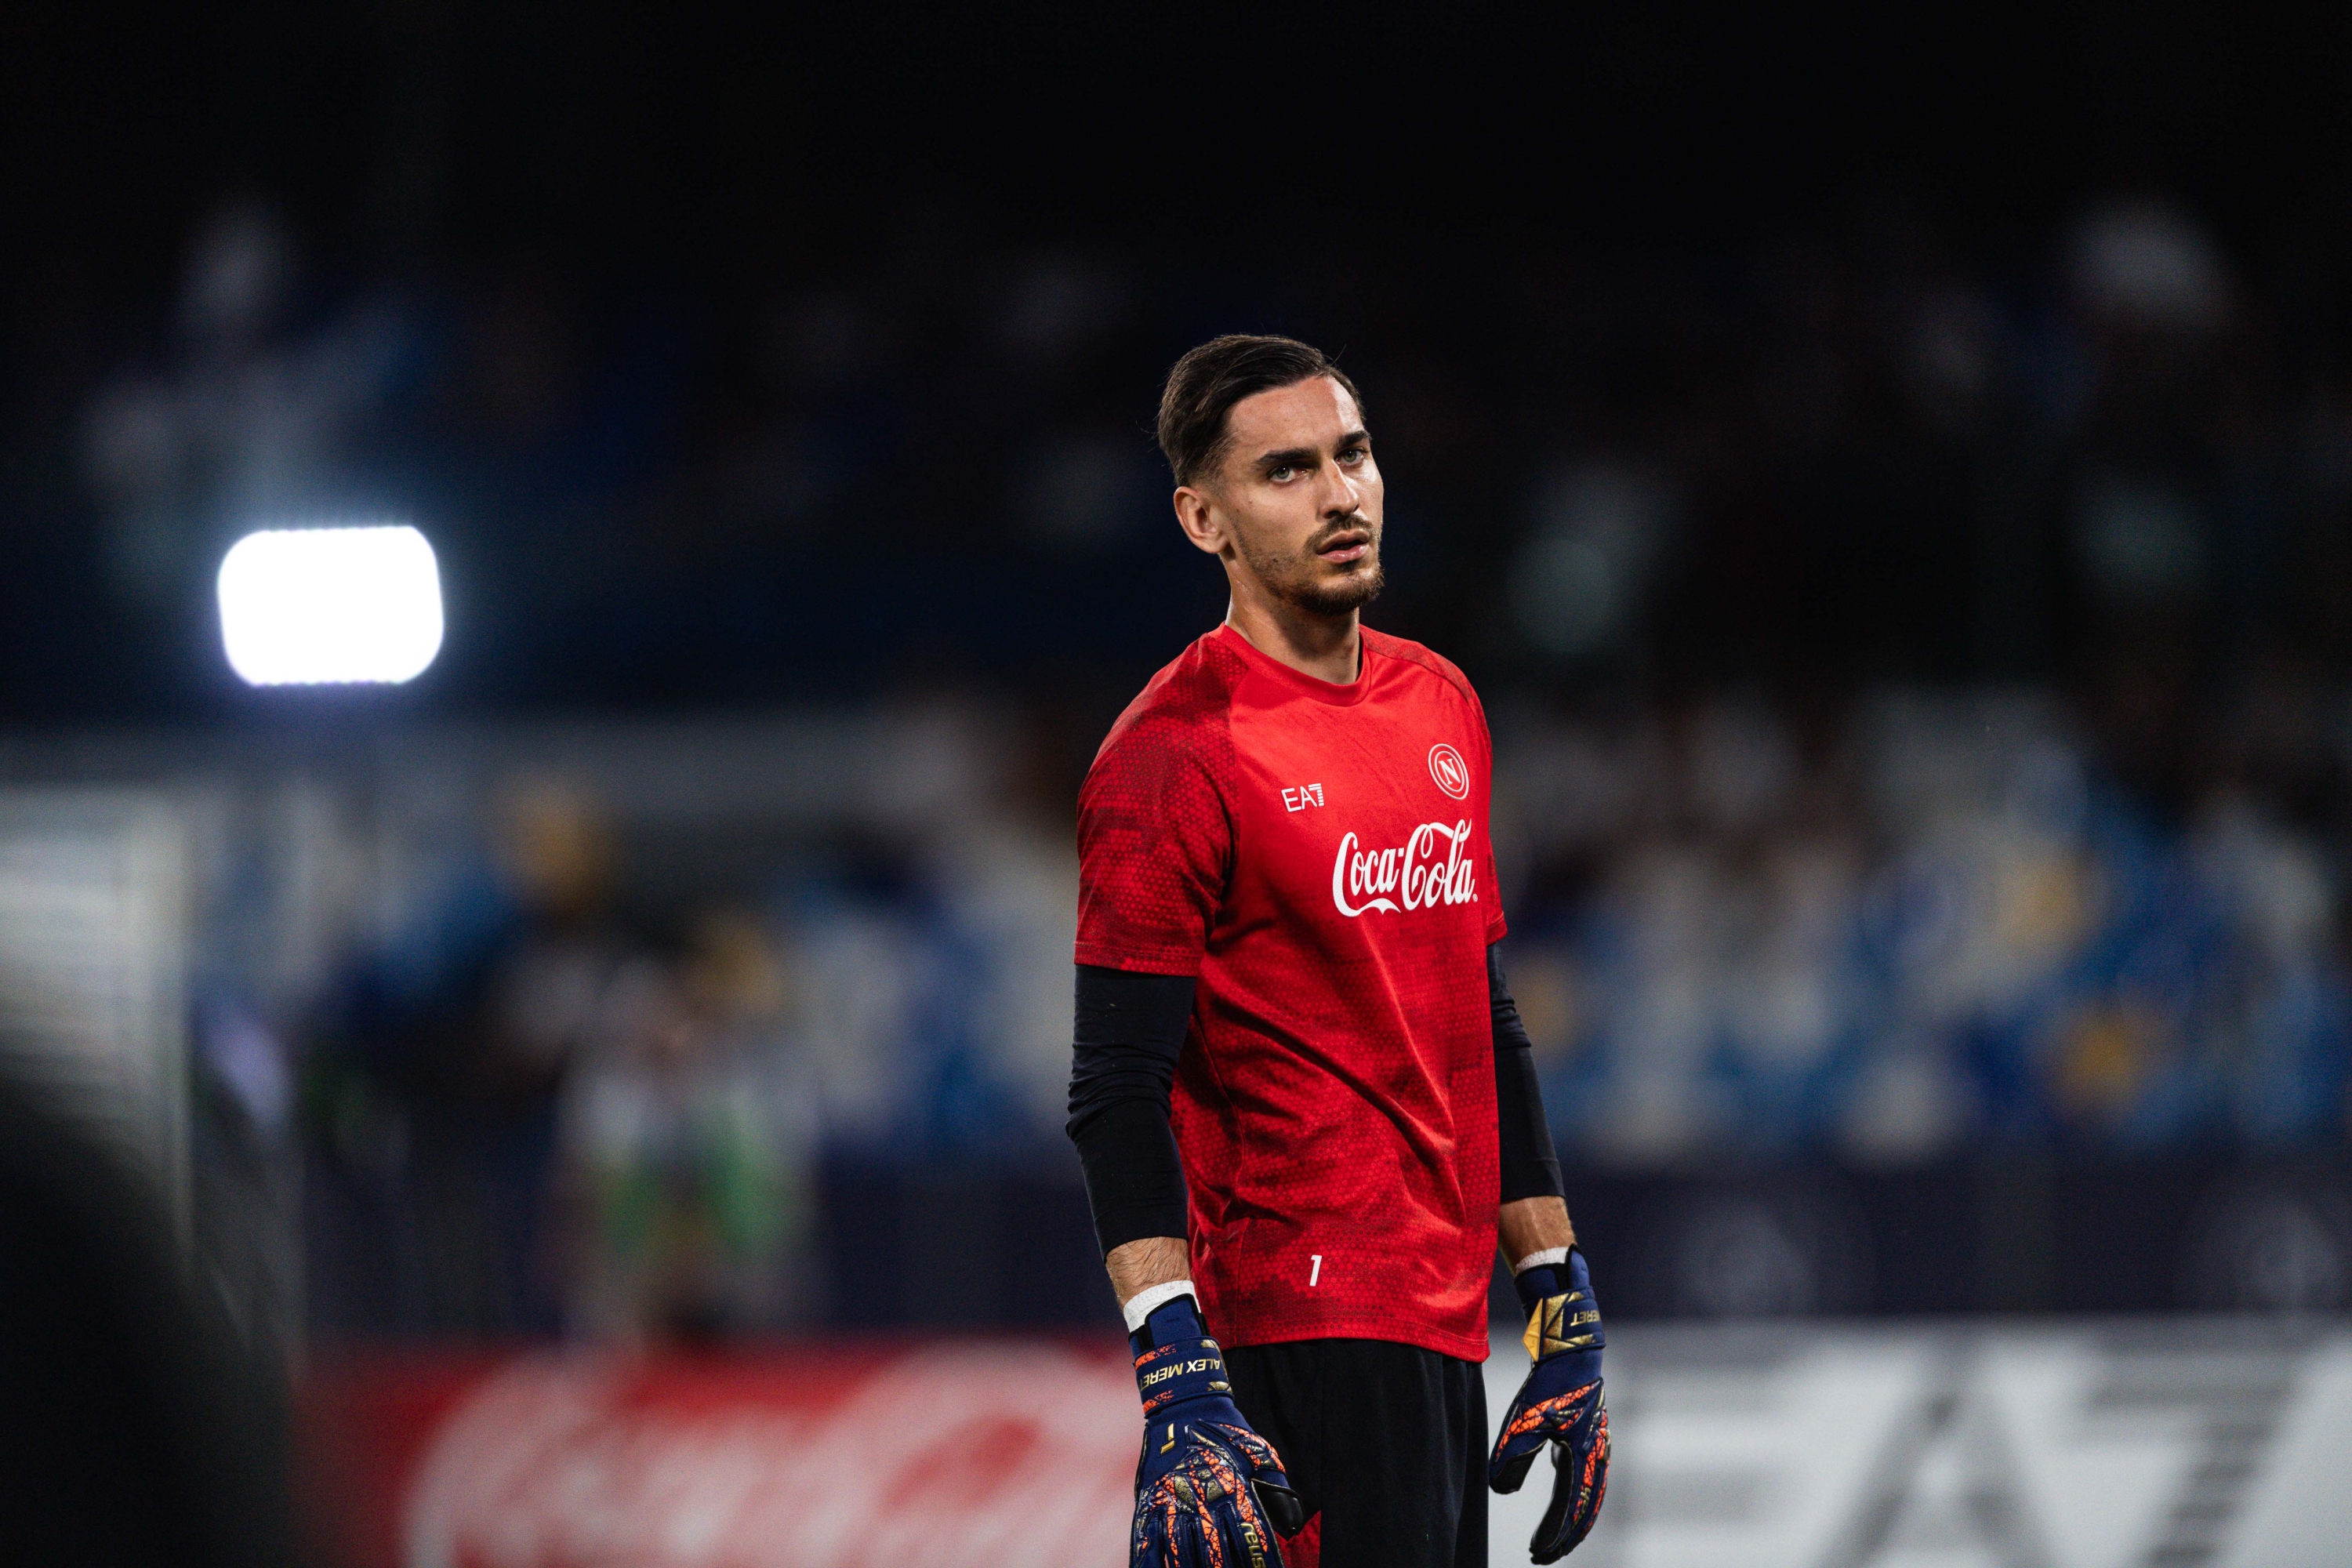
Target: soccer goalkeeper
column 1304, row 1103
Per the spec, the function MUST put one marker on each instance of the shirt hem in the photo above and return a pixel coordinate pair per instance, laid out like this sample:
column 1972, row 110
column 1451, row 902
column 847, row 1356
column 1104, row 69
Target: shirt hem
column 1462, row 1347
column 1138, row 963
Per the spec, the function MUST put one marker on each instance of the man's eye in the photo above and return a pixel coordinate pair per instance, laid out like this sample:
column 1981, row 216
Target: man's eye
column 1280, row 473
column 1353, row 455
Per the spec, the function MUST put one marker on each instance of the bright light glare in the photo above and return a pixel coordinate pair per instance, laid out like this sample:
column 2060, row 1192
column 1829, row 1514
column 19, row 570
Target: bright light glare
column 310, row 605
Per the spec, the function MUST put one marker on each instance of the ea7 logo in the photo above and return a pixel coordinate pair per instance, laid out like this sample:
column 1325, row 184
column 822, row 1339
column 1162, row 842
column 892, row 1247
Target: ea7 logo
column 1302, row 797
column 1452, row 773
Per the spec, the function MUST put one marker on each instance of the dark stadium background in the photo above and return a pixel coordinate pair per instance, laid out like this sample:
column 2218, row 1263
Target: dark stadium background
column 1890, row 478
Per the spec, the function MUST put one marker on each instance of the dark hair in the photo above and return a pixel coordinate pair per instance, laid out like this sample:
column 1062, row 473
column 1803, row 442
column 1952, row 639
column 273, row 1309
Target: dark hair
column 1206, row 382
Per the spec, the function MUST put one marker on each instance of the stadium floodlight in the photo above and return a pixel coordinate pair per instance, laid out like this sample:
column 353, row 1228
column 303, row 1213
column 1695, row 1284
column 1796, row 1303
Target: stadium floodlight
column 302, row 606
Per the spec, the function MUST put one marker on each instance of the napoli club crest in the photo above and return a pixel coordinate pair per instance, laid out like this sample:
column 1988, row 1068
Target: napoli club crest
column 1452, row 773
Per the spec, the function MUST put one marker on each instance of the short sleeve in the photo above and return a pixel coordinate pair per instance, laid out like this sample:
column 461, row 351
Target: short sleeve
column 1154, row 847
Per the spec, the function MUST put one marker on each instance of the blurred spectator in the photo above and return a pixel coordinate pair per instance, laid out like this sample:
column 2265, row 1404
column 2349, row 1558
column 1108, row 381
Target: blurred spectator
column 690, row 1131
column 445, row 1053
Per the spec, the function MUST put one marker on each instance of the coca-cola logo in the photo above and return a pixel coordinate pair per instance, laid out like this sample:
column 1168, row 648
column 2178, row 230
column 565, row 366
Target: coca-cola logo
column 1410, row 877
column 1452, row 773
column 950, row 1457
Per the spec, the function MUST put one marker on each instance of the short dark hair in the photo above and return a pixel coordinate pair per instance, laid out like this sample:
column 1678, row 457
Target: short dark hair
column 1206, row 382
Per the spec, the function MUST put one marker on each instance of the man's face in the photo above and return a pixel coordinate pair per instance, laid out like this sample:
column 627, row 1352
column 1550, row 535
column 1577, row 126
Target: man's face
column 1298, row 496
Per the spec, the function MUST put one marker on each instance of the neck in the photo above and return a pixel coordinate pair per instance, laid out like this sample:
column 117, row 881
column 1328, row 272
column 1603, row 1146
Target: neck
column 1328, row 647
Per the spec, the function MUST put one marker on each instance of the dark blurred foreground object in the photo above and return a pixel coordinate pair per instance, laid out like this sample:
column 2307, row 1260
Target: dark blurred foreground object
column 133, row 1430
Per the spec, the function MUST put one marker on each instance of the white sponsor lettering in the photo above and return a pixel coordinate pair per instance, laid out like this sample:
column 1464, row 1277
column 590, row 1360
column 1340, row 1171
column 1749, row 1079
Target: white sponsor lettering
column 1362, row 879
column 1027, row 1456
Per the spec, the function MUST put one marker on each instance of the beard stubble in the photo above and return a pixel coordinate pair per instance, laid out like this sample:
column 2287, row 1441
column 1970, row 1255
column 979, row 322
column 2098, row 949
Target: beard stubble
column 1292, row 578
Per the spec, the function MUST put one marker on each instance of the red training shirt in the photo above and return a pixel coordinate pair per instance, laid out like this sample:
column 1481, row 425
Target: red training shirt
column 1318, row 856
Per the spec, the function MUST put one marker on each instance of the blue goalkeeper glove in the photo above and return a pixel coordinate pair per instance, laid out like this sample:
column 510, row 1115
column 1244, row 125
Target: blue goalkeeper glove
column 1560, row 1403
column 1209, row 1492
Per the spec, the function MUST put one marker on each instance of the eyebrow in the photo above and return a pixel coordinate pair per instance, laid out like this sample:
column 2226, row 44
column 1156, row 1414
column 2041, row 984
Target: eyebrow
column 1289, row 458
column 1294, row 457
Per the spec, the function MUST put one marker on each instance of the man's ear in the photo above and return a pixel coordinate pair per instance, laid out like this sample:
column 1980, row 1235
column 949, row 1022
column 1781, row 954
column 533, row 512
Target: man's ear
column 1198, row 520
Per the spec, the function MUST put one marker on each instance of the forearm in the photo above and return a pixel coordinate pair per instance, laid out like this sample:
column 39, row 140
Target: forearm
column 1137, row 1266
column 1532, row 1225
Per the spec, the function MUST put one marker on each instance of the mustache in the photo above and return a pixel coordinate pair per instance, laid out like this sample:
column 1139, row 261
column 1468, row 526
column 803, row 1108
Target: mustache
column 1358, row 524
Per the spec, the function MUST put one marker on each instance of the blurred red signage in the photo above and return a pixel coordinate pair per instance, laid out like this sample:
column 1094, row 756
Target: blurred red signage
column 936, row 1455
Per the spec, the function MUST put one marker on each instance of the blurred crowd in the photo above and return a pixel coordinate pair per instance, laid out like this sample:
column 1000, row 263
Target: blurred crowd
column 1926, row 928
column 572, row 1124
column 557, row 1090
column 546, row 1096
column 2108, row 451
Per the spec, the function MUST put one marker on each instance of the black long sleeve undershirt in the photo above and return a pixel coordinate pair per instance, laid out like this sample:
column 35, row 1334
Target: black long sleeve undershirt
column 1530, row 1168
column 1131, row 1030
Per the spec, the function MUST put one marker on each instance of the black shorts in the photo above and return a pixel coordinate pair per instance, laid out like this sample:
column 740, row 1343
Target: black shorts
column 1386, row 1444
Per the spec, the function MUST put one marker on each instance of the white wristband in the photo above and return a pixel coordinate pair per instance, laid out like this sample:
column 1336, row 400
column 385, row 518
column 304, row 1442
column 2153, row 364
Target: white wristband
column 1538, row 1259
column 1144, row 1302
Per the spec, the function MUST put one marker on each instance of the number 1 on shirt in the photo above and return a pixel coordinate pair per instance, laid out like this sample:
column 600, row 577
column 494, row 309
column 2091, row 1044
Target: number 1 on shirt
column 1317, row 1272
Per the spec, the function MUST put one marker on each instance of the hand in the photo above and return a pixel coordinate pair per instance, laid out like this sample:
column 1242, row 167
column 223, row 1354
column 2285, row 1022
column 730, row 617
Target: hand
column 1560, row 1403
column 1209, row 1492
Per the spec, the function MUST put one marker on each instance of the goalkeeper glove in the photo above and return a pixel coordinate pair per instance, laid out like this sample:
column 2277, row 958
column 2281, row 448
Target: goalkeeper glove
column 1560, row 1403
column 1209, row 1492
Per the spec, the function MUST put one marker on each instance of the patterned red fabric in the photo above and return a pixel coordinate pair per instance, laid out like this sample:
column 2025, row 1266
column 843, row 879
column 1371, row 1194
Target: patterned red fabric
column 1304, row 1550
column 1317, row 854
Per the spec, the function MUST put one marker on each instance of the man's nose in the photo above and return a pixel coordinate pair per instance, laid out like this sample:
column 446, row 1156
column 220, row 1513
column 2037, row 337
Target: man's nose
column 1337, row 494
